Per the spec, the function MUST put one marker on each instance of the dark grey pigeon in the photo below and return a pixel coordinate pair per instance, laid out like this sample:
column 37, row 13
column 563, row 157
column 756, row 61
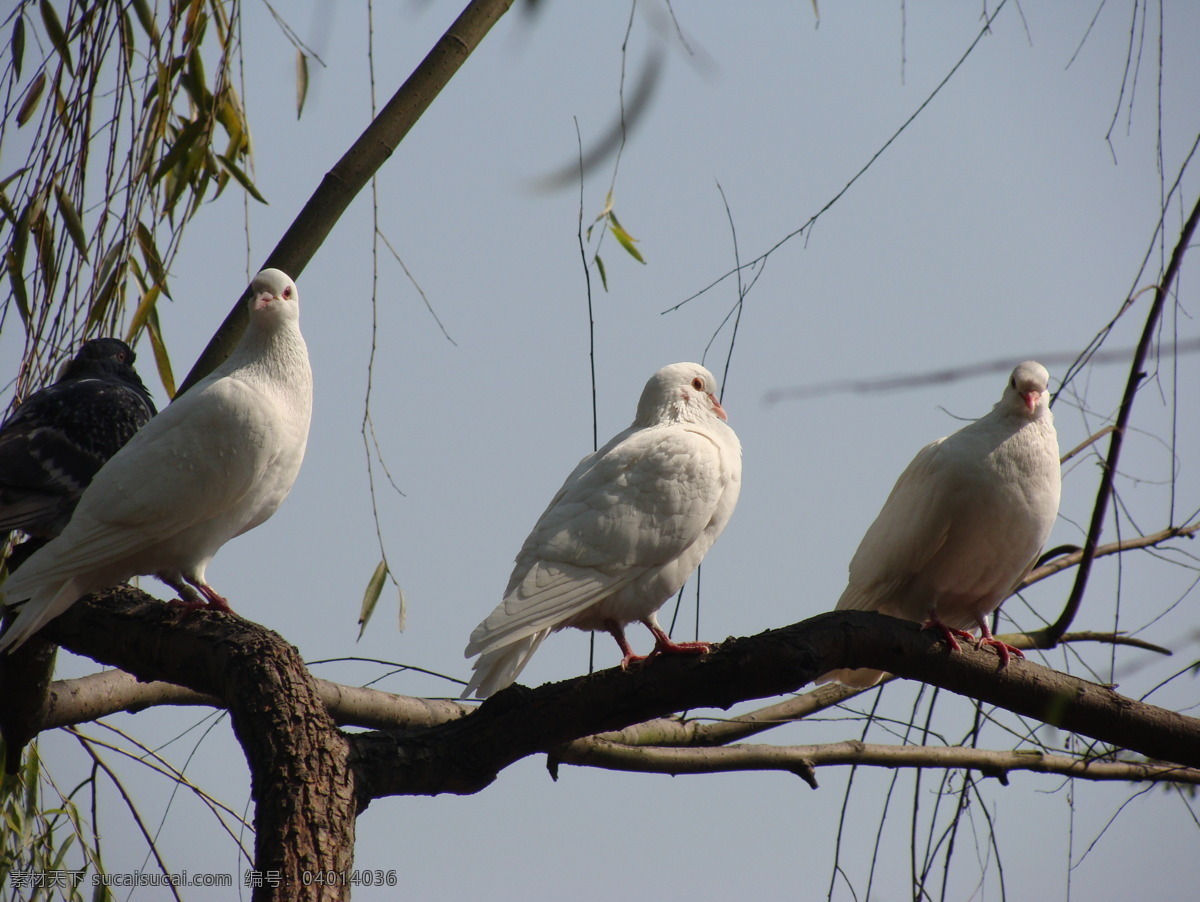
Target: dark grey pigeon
column 56, row 440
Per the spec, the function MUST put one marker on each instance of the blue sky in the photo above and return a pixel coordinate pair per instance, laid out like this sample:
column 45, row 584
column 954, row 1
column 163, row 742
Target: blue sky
column 1002, row 224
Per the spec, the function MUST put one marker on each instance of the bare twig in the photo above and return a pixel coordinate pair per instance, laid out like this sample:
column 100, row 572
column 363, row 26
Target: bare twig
column 1075, row 557
column 1055, row 631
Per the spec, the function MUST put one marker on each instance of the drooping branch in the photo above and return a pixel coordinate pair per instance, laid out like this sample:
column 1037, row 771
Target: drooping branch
column 1109, row 472
column 356, row 167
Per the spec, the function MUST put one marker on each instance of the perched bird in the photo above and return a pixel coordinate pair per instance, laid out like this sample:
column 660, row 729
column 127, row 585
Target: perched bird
column 624, row 532
column 56, row 440
column 963, row 524
column 214, row 464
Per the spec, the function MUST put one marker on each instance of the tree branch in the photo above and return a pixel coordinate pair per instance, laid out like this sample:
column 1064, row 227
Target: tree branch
column 1076, row 557
column 802, row 759
column 96, row 695
column 232, row 659
column 1055, row 631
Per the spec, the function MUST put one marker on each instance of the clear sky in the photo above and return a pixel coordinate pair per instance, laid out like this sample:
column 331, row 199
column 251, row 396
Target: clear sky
column 1001, row 225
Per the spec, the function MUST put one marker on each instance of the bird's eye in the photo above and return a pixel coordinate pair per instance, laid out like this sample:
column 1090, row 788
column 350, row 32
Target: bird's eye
column 698, row 384
column 287, row 292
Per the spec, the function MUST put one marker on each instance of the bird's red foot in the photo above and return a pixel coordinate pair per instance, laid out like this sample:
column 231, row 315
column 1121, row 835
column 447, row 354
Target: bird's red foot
column 187, row 605
column 664, row 646
column 216, row 602
column 632, row 661
column 1003, row 649
column 667, row 647
column 947, row 633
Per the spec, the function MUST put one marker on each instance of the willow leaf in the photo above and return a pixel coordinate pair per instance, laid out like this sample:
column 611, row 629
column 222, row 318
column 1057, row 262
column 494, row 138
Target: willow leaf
column 301, row 81
column 17, row 43
column 54, row 31
column 71, row 219
column 32, row 96
column 371, row 596
column 242, row 178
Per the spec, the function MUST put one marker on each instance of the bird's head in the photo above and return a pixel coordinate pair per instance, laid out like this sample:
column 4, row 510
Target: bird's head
column 100, row 355
column 1027, row 390
column 681, row 391
column 273, row 297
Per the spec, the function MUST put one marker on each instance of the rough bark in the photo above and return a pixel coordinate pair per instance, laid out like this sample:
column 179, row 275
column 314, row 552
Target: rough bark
column 302, row 786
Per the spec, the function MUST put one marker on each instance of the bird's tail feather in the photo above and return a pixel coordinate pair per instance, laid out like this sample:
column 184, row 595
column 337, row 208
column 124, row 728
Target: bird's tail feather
column 497, row 669
column 47, row 604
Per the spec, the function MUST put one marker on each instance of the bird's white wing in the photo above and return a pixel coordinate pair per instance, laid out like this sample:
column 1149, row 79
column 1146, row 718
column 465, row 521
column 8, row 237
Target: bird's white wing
column 180, row 469
column 910, row 529
column 635, row 505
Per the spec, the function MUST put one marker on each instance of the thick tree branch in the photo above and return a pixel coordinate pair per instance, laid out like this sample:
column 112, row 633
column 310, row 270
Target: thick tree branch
column 300, row 780
column 204, row 651
column 802, row 759
column 466, row 755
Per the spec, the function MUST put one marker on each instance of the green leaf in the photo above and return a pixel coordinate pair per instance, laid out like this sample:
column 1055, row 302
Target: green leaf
column 127, row 41
column 371, row 596
column 72, row 219
column 146, row 18
column 108, row 288
column 6, row 206
column 18, row 286
column 43, row 235
column 32, row 96
column 17, row 43
column 600, row 269
column 58, row 37
column 196, row 82
column 161, row 359
column 242, row 178
column 150, row 252
column 142, row 315
column 301, row 81
column 624, row 239
column 182, row 145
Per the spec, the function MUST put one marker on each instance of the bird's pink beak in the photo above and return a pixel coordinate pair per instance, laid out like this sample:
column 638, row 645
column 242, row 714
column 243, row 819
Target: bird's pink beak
column 263, row 300
column 717, row 408
column 1031, row 399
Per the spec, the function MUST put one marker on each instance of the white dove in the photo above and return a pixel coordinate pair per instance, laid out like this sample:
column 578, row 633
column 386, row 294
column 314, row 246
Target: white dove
column 214, row 464
column 963, row 524
column 624, row 532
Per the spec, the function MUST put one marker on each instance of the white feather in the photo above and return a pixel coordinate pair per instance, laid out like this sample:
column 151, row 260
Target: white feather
column 627, row 528
column 965, row 520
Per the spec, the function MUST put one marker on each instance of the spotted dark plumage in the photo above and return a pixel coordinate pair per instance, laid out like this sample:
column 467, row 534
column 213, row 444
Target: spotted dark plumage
column 56, row 440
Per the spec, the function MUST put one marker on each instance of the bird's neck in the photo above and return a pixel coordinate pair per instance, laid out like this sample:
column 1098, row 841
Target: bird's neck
column 280, row 350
